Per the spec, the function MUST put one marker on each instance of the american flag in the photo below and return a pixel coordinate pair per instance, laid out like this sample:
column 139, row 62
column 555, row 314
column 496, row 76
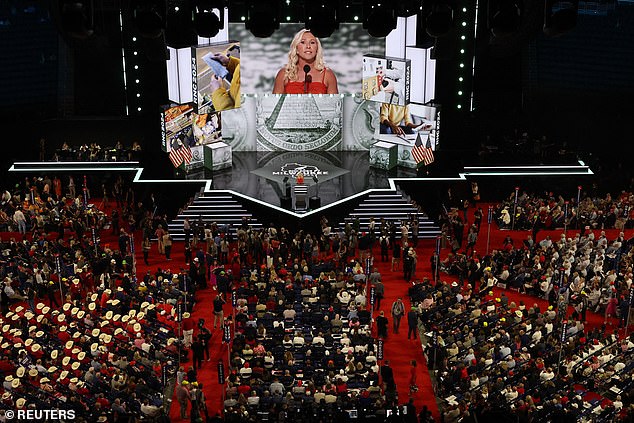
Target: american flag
column 181, row 154
column 423, row 154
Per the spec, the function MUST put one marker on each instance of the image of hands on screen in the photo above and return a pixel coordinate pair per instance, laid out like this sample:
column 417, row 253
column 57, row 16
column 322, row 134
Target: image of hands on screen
column 305, row 72
column 219, row 78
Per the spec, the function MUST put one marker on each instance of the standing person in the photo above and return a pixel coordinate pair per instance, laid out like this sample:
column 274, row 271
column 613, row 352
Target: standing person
column 20, row 220
column 387, row 374
column 187, row 229
column 115, row 221
column 188, row 329
column 413, row 387
column 396, row 256
column 379, row 291
column 414, row 226
column 477, row 218
column 305, row 72
column 167, row 244
column 381, row 325
column 218, row 312
column 71, row 187
column 472, row 238
column 159, row 238
column 610, row 310
column 204, row 334
column 147, row 245
column 384, row 241
column 398, row 309
column 408, row 264
column 188, row 252
column 198, row 351
column 182, row 395
column 412, row 323
column 475, row 193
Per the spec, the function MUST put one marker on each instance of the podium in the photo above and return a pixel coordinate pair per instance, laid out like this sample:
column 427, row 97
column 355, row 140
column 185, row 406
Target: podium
column 301, row 192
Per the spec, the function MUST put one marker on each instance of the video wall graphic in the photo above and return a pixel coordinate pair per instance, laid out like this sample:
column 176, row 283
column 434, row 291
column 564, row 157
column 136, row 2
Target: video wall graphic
column 216, row 77
column 294, row 92
column 181, row 125
column 386, row 79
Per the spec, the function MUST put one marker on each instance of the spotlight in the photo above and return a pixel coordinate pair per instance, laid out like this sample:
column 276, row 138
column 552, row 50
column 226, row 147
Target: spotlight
column 560, row 16
column 206, row 22
column 321, row 17
column 149, row 17
column 504, row 17
column 379, row 17
column 405, row 8
column 179, row 32
column 262, row 18
column 439, row 21
column 77, row 18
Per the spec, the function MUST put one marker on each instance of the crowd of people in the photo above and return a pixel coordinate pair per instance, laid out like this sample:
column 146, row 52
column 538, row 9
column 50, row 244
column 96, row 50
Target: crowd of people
column 302, row 344
column 494, row 358
column 80, row 332
column 549, row 211
column 95, row 152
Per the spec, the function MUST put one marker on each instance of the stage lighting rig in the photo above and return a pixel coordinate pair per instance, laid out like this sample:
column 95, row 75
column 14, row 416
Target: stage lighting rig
column 262, row 17
column 321, row 17
column 405, row 8
column 439, row 20
column 379, row 17
column 504, row 17
column 149, row 17
column 560, row 16
column 77, row 18
column 208, row 17
column 179, row 31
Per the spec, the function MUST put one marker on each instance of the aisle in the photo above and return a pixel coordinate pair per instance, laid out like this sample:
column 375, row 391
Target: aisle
column 208, row 373
column 398, row 349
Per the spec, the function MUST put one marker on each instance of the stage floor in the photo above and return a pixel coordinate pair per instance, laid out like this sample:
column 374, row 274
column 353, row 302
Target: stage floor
column 270, row 177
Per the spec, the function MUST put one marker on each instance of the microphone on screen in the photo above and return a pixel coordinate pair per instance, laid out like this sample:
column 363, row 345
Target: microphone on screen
column 306, row 78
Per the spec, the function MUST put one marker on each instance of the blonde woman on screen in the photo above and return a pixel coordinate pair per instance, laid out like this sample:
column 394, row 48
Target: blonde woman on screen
column 305, row 72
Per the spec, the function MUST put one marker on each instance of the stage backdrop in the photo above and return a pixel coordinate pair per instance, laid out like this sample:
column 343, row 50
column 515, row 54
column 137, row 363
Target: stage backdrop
column 267, row 122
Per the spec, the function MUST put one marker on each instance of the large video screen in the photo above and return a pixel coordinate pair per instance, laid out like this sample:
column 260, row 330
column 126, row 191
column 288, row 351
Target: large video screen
column 262, row 59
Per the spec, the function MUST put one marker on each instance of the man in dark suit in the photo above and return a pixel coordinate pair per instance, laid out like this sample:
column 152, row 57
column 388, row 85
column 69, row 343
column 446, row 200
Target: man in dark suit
column 387, row 375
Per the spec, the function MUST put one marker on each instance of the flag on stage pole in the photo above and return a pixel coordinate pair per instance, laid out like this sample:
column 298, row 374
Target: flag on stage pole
column 421, row 153
column 180, row 155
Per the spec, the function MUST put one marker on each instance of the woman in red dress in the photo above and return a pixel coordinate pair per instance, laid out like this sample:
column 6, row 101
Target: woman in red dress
column 305, row 54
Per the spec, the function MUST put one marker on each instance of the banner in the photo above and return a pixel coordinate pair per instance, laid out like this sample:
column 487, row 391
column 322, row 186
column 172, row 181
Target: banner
column 227, row 333
column 221, row 373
